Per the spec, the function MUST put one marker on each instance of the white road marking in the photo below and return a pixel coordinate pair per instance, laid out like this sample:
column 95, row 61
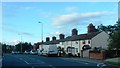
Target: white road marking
column 1, row 60
column 24, row 60
column 86, row 63
column 32, row 66
column 52, row 66
column 101, row 65
column 41, row 61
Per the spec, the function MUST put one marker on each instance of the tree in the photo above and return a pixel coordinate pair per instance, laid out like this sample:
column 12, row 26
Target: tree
column 6, row 48
column 114, row 41
column 118, row 25
column 102, row 27
column 25, row 46
column 114, row 32
column 18, row 47
column 109, row 28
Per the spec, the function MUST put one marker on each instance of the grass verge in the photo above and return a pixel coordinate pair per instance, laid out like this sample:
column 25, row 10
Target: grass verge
column 114, row 63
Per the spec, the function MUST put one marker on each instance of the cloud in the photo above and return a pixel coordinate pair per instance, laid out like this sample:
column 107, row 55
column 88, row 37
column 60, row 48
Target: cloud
column 9, row 29
column 12, row 30
column 26, row 33
column 74, row 19
column 45, row 14
column 9, row 15
column 15, row 41
column 72, row 9
column 28, row 7
column 54, row 33
column 12, row 42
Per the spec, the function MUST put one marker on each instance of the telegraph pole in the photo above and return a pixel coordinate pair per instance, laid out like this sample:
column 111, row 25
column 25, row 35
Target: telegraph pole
column 20, row 41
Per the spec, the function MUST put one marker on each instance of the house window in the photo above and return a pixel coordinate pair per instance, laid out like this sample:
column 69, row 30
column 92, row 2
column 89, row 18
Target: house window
column 76, row 49
column 69, row 50
column 83, row 42
column 76, row 42
column 88, row 41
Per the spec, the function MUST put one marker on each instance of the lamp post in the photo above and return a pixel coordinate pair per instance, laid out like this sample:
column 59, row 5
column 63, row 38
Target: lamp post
column 41, row 34
column 41, row 31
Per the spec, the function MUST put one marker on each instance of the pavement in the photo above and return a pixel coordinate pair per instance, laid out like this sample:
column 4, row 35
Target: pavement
column 113, row 59
column 34, row 61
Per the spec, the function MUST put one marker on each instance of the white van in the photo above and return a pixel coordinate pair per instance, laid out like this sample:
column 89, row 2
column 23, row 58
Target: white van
column 49, row 50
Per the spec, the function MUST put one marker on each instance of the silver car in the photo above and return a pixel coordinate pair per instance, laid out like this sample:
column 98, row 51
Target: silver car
column 33, row 52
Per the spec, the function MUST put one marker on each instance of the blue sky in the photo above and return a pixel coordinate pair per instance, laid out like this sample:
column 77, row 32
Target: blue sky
column 21, row 18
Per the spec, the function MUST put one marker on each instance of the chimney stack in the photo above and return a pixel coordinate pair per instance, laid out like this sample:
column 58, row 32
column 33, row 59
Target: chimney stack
column 47, row 39
column 61, row 36
column 91, row 28
column 74, row 32
column 53, row 38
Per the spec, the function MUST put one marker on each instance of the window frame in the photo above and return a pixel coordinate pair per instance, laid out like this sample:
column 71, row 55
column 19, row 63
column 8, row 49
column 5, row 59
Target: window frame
column 83, row 42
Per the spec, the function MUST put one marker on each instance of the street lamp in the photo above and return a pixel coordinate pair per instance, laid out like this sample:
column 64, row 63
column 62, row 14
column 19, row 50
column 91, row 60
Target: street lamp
column 41, row 31
column 41, row 34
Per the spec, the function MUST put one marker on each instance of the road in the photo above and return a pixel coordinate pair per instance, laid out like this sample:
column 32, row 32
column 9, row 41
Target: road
column 34, row 61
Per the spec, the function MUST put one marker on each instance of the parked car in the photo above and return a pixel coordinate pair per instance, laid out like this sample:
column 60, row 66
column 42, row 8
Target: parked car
column 27, row 52
column 15, row 52
column 33, row 52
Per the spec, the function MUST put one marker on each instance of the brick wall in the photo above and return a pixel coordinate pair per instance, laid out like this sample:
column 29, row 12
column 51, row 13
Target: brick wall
column 97, row 55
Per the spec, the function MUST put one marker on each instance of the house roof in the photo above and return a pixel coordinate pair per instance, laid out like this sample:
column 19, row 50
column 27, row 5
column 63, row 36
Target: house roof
column 74, row 38
column 51, row 42
column 82, row 36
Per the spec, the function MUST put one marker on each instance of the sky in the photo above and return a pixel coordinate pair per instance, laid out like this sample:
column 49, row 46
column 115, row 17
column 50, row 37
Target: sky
column 20, row 20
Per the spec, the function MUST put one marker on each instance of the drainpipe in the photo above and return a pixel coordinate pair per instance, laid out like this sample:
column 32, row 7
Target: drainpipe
column 79, row 48
column 71, row 47
column 91, row 46
column 81, row 53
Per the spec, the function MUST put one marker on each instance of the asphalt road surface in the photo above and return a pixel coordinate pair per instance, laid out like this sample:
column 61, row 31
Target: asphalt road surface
column 34, row 61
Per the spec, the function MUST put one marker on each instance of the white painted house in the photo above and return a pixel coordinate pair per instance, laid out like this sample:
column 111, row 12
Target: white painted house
column 79, row 45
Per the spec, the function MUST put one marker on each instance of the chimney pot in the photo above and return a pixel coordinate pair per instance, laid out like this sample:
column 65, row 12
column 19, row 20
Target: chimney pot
column 74, row 32
column 53, row 38
column 61, row 36
column 47, row 39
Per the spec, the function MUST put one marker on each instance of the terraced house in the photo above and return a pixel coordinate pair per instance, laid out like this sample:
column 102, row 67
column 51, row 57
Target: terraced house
column 80, row 44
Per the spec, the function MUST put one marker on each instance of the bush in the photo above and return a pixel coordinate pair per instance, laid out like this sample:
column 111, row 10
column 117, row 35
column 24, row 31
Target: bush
column 111, row 53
